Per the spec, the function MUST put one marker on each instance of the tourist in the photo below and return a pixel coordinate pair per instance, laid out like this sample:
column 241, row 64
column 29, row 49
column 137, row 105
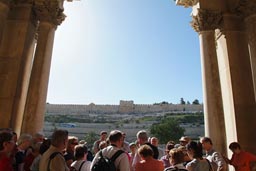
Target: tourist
column 215, row 158
column 35, row 151
column 148, row 163
column 81, row 162
column 176, row 158
column 43, row 148
column 165, row 158
column 57, row 162
column 142, row 138
column 240, row 159
column 197, row 163
column 133, row 149
column 116, row 143
column 23, row 143
column 69, row 154
column 126, row 147
column 103, row 137
column 6, row 148
column 184, row 140
column 154, row 141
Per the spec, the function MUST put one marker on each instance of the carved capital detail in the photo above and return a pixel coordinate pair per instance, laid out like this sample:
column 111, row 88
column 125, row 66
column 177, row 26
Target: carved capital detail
column 50, row 11
column 206, row 20
column 246, row 8
column 186, row 3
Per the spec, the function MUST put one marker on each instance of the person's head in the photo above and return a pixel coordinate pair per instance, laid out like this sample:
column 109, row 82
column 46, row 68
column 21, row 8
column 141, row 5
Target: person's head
column 24, row 141
column 82, row 142
column 38, row 137
column 6, row 142
column 185, row 153
column 124, row 135
column 103, row 135
column 206, row 143
column 176, row 156
column 80, row 151
column 235, row 147
column 142, row 137
column 103, row 144
column 116, row 137
column 133, row 147
column 184, row 140
column 154, row 141
column 60, row 139
column 194, row 149
column 72, row 142
column 36, row 148
column 145, row 151
column 170, row 145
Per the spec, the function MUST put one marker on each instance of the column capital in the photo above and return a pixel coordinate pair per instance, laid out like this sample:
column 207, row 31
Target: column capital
column 206, row 20
column 186, row 3
column 50, row 11
column 246, row 8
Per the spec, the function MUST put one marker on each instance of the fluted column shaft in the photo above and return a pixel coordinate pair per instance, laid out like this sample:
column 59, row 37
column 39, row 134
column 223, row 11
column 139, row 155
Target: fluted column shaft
column 15, row 64
column 205, row 23
column 35, row 106
column 4, row 9
column 34, row 112
column 251, row 32
column 236, row 82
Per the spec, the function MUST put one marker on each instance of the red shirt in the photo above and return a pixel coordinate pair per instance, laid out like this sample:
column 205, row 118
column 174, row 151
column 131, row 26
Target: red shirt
column 149, row 165
column 5, row 162
column 241, row 161
column 28, row 161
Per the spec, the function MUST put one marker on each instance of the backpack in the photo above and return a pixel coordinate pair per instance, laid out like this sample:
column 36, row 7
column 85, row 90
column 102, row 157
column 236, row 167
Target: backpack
column 74, row 169
column 106, row 164
column 51, row 157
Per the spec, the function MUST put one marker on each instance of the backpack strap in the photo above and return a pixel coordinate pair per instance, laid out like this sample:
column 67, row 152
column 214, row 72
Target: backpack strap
column 81, row 166
column 101, row 155
column 50, row 159
column 210, row 166
column 117, row 154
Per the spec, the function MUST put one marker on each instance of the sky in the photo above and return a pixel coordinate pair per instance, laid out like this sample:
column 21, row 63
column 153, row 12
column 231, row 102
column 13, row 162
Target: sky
column 111, row 50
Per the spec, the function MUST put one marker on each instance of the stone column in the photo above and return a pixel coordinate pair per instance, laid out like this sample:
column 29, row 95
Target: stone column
column 36, row 100
column 15, row 60
column 4, row 9
column 205, row 22
column 247, row 9
column 236, row 82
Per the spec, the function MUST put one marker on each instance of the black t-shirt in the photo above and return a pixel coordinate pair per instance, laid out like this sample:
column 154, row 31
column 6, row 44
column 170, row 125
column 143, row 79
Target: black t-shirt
column 155, row 150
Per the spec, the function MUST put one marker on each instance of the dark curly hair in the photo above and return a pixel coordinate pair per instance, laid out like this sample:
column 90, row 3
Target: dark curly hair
column 196, row 148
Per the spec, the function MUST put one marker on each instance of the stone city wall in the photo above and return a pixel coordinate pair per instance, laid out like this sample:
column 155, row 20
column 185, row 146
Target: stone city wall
column 123, row 107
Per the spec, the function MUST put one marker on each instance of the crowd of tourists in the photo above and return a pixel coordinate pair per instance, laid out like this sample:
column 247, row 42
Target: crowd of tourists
column 64, row 152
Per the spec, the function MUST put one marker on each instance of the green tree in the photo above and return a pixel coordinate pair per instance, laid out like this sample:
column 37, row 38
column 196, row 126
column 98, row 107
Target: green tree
column 182, row 101
column 195, row 102
column 90, row 137
column 167, row 129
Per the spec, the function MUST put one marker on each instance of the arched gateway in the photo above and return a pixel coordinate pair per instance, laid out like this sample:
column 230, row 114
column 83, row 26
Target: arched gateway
column 227, row 35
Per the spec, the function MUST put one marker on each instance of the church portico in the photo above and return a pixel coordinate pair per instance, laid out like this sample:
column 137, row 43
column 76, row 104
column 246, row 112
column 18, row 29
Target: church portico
column 227, row 37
